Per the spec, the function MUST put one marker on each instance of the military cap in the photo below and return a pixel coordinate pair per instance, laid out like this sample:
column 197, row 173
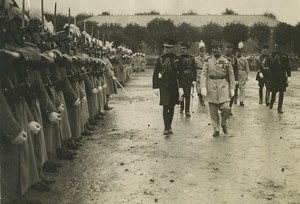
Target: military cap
column 169, row 43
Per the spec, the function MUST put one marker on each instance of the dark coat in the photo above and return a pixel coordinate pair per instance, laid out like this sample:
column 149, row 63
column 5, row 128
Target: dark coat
column 188, row 73
column 168, row 65
column 264, row 62
column 279, row 71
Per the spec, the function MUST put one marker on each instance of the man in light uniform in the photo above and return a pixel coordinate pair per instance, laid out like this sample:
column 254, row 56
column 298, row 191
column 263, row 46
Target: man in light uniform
column 199, row 60
column 243, row 76
column 217, row 87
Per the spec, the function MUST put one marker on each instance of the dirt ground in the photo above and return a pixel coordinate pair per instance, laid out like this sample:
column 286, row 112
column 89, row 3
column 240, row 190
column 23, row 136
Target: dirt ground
column 128, row 160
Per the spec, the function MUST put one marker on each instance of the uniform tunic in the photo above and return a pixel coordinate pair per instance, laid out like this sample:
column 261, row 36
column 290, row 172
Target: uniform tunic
column 168, row 65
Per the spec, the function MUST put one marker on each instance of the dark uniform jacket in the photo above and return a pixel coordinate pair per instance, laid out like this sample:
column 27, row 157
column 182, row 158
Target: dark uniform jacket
column 188, row 71
column 264, row 63
column 168, row 65
column 279, row 71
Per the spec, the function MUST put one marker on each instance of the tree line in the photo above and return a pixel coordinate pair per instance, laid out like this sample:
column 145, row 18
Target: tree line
column 158, row 29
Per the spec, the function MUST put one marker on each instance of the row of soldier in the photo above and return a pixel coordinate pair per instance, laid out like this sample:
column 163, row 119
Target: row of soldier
column 221, row 80
column 55, row 87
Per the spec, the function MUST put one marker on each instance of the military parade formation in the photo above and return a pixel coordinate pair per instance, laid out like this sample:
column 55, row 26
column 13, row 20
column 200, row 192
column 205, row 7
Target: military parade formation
column 55, row 87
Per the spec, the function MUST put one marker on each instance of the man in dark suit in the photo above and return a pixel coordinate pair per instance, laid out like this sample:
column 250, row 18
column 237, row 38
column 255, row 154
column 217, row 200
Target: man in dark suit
column 188, row 77
column 165, row 78
column 280, row 75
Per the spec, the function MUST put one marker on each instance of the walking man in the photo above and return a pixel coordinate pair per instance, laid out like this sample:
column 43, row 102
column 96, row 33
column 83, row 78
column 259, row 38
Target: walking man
column 243, row 77
column 199, row 60
column 280, row 75
column 263, row 75
column 217, row 86
column 165, row 78
column 187, row 78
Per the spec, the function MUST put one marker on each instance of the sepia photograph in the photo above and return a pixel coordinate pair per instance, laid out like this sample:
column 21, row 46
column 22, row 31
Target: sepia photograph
column 149, row 101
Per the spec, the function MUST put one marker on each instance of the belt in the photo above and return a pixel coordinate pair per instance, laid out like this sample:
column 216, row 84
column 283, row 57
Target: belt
column 217, row 77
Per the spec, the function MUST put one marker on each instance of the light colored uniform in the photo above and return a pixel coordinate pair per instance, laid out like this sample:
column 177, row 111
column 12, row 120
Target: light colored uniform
column 199, row 64
column 243, row 67
column 218, row 78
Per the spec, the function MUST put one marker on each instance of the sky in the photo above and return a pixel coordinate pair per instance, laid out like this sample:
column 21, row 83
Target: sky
column 287, row 11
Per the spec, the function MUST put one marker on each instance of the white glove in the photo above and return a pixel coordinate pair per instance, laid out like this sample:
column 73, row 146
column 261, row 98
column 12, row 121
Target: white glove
column 232, row 92
column 34, row 127
column 156, row 92
column 20, row 139
column 104, row 85
column 248, row 78
column 180, row 92
column 261, row 75
column 54, row 117
column 236, row 82
column 203, row 91
column 114, row 78
column 95, row 91
column 100, row 88
column 288, row 79
column 61, row 108
column 194, row 83
column 77, row 102
column 159, row 75
column 83, row 100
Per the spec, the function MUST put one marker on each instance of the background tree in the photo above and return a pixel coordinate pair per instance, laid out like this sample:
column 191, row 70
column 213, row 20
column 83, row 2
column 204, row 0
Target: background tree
column 189, row 13
column 297, row 39
column 136, row 34
column 188, row 33
column 284, row 33
column 270, row 15
column 261, row 33
column 209, row 32
column 105, row 13
column 229, row 12
column 158, row 30
column 147, row 13
column 235, row 32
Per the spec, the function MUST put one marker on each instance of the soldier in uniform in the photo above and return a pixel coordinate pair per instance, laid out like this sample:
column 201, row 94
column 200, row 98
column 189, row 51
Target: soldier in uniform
column 233, row 60
column 280, row 75
column 199, row 60
column 165, row 78
column 243, row 67
column 217, row 86
column 188, row 77
column 263, row 74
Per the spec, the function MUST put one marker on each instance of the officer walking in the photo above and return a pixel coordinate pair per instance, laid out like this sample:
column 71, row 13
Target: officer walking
column 280, row 75
column 217, row 86
column 263, row 74
column 165, row 78
column 188, row 77
column 243, row 77
column 199, row 60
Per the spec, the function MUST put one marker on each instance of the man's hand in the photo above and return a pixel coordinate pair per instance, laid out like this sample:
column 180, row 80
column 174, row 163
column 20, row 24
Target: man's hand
column 248, row 78
column 100, row 88
column 194, row 83
column 54, row 117
column 159, row 75
column 34, row 127
column 114, row 78
column 261, row 75
column 156, row 92
column 95, row 91
column 104, row 85
column 77, row 102
column 180, row 92
column 20, row 139
column 203, row 91
column 83, row 100
column 288, row 79
column 61, row 108
column 231, row 93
